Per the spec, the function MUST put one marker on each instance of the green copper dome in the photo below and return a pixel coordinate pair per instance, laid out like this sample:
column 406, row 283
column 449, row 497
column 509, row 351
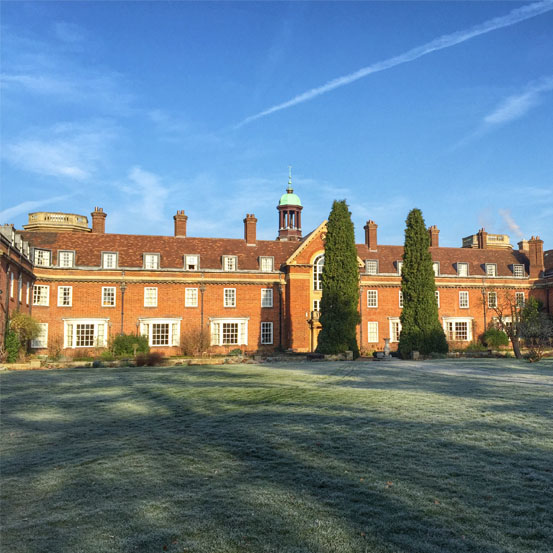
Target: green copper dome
column 290, row 199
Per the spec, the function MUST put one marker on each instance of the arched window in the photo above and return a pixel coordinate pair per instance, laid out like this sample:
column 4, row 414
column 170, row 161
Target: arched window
column 318, row 272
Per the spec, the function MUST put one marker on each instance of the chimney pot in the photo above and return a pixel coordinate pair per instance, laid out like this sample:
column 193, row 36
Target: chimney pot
column 180, row 223
column 98, row 221
column 250, row 229
column 371, row 235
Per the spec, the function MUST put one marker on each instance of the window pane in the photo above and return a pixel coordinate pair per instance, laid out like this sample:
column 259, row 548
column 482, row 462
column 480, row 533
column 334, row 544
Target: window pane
column 108, row 296
column 372, row 332
column 372, row 298
column 318, row 265
column 160, row 334
column 230, row 297
column 371, row 266
column 462, row 269
column 191, row 297
column 267, row 264
column 266, row 297
column 230, row 333
column 84, row 335
column 266, row 333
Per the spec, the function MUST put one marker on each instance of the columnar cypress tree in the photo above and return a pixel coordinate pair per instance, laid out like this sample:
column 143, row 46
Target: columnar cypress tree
column 340, row 282
column 420, row 326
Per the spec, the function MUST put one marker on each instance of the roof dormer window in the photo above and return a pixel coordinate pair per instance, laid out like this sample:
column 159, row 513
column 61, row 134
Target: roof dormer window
column 191, row 262
column 230, row 263
column 462, row 269
column 151, row 261
column 43, row 258
column 491, row 269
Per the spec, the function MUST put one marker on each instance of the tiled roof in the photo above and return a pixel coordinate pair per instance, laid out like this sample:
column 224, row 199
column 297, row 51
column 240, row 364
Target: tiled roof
column 89, row 246
column 448, row 257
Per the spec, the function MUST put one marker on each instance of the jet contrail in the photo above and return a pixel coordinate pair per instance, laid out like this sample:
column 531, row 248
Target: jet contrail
column 445, row 41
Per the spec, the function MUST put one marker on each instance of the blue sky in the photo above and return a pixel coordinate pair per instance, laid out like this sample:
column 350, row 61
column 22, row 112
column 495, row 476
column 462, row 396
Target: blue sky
column 144, row 108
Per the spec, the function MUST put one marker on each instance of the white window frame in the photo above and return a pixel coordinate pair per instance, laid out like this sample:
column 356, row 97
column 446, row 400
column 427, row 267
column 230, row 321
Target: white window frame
column 20, row 289
column 492, row 300
column 464, row 294
column 191, row 262
column 45, row 289
column 42, row 258
column 437, row 295
column 454, row 321
column 104, row 289
column 12, row 278
column 216, row 331
column 146, row 328
column 150, row 297
column 62, row 298
column 190, row 297
column 27, row 293
column 371, row 263
column 462, row 266
column 230, row 263
column 100, row 335
column 392, row 321
column 318, row 264
column 151, row 261
column 229, row 297
column 110, row 260
column 266, row 297
column 372, row 332
column 400, row 299
column 372, row 298
column 316, row 305
column 436, row 268
column 267, row 264
column 518, row 270
column 491, row 269
column 399, row 266
column 263, row 334
column 66, row 258
column 41, row 341
column 520, row 299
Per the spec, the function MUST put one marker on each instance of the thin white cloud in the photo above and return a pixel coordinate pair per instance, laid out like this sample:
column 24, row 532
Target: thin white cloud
column 510, row 222
column 64, row 150
column 518, row 105
column 515, row 16
column 146, row 195
column 29, row 206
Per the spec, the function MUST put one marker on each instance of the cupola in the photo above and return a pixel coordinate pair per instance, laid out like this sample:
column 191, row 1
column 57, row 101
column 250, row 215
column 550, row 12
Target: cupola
column 289, row 214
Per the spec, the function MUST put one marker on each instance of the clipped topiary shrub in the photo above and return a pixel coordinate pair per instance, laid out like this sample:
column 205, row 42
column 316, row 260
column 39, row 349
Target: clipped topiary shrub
column 129, row 344
column 13, row 345
column 494, row 338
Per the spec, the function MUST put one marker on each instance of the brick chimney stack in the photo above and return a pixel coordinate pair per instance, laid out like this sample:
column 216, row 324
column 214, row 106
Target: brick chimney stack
column 535, row 256
column 482, row 239
column 371, row 235
column 250, row 229
column 98, row 220
column 180, row 223
column 434, row 234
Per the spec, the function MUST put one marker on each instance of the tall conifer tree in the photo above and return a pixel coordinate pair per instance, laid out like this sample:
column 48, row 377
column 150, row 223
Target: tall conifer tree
column 340, row 282
column 420, row 326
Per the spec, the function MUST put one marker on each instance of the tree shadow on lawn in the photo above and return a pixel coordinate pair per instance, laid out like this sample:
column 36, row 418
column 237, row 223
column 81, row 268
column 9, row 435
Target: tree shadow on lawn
column 215, row 480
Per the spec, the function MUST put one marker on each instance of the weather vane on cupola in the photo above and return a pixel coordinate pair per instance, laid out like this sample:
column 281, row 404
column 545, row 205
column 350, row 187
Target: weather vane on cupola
column 289, row 189
column 289, row 213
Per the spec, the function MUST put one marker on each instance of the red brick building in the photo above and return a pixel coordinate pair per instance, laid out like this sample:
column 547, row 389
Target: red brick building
column 16, row 276
column 256, row 295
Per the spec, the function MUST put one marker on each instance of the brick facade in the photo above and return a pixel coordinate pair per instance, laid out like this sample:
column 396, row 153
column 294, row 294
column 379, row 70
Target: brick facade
column 256, row 295
column 16, row 277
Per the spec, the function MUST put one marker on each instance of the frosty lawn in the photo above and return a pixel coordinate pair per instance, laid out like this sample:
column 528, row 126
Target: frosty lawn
column 444, row 456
